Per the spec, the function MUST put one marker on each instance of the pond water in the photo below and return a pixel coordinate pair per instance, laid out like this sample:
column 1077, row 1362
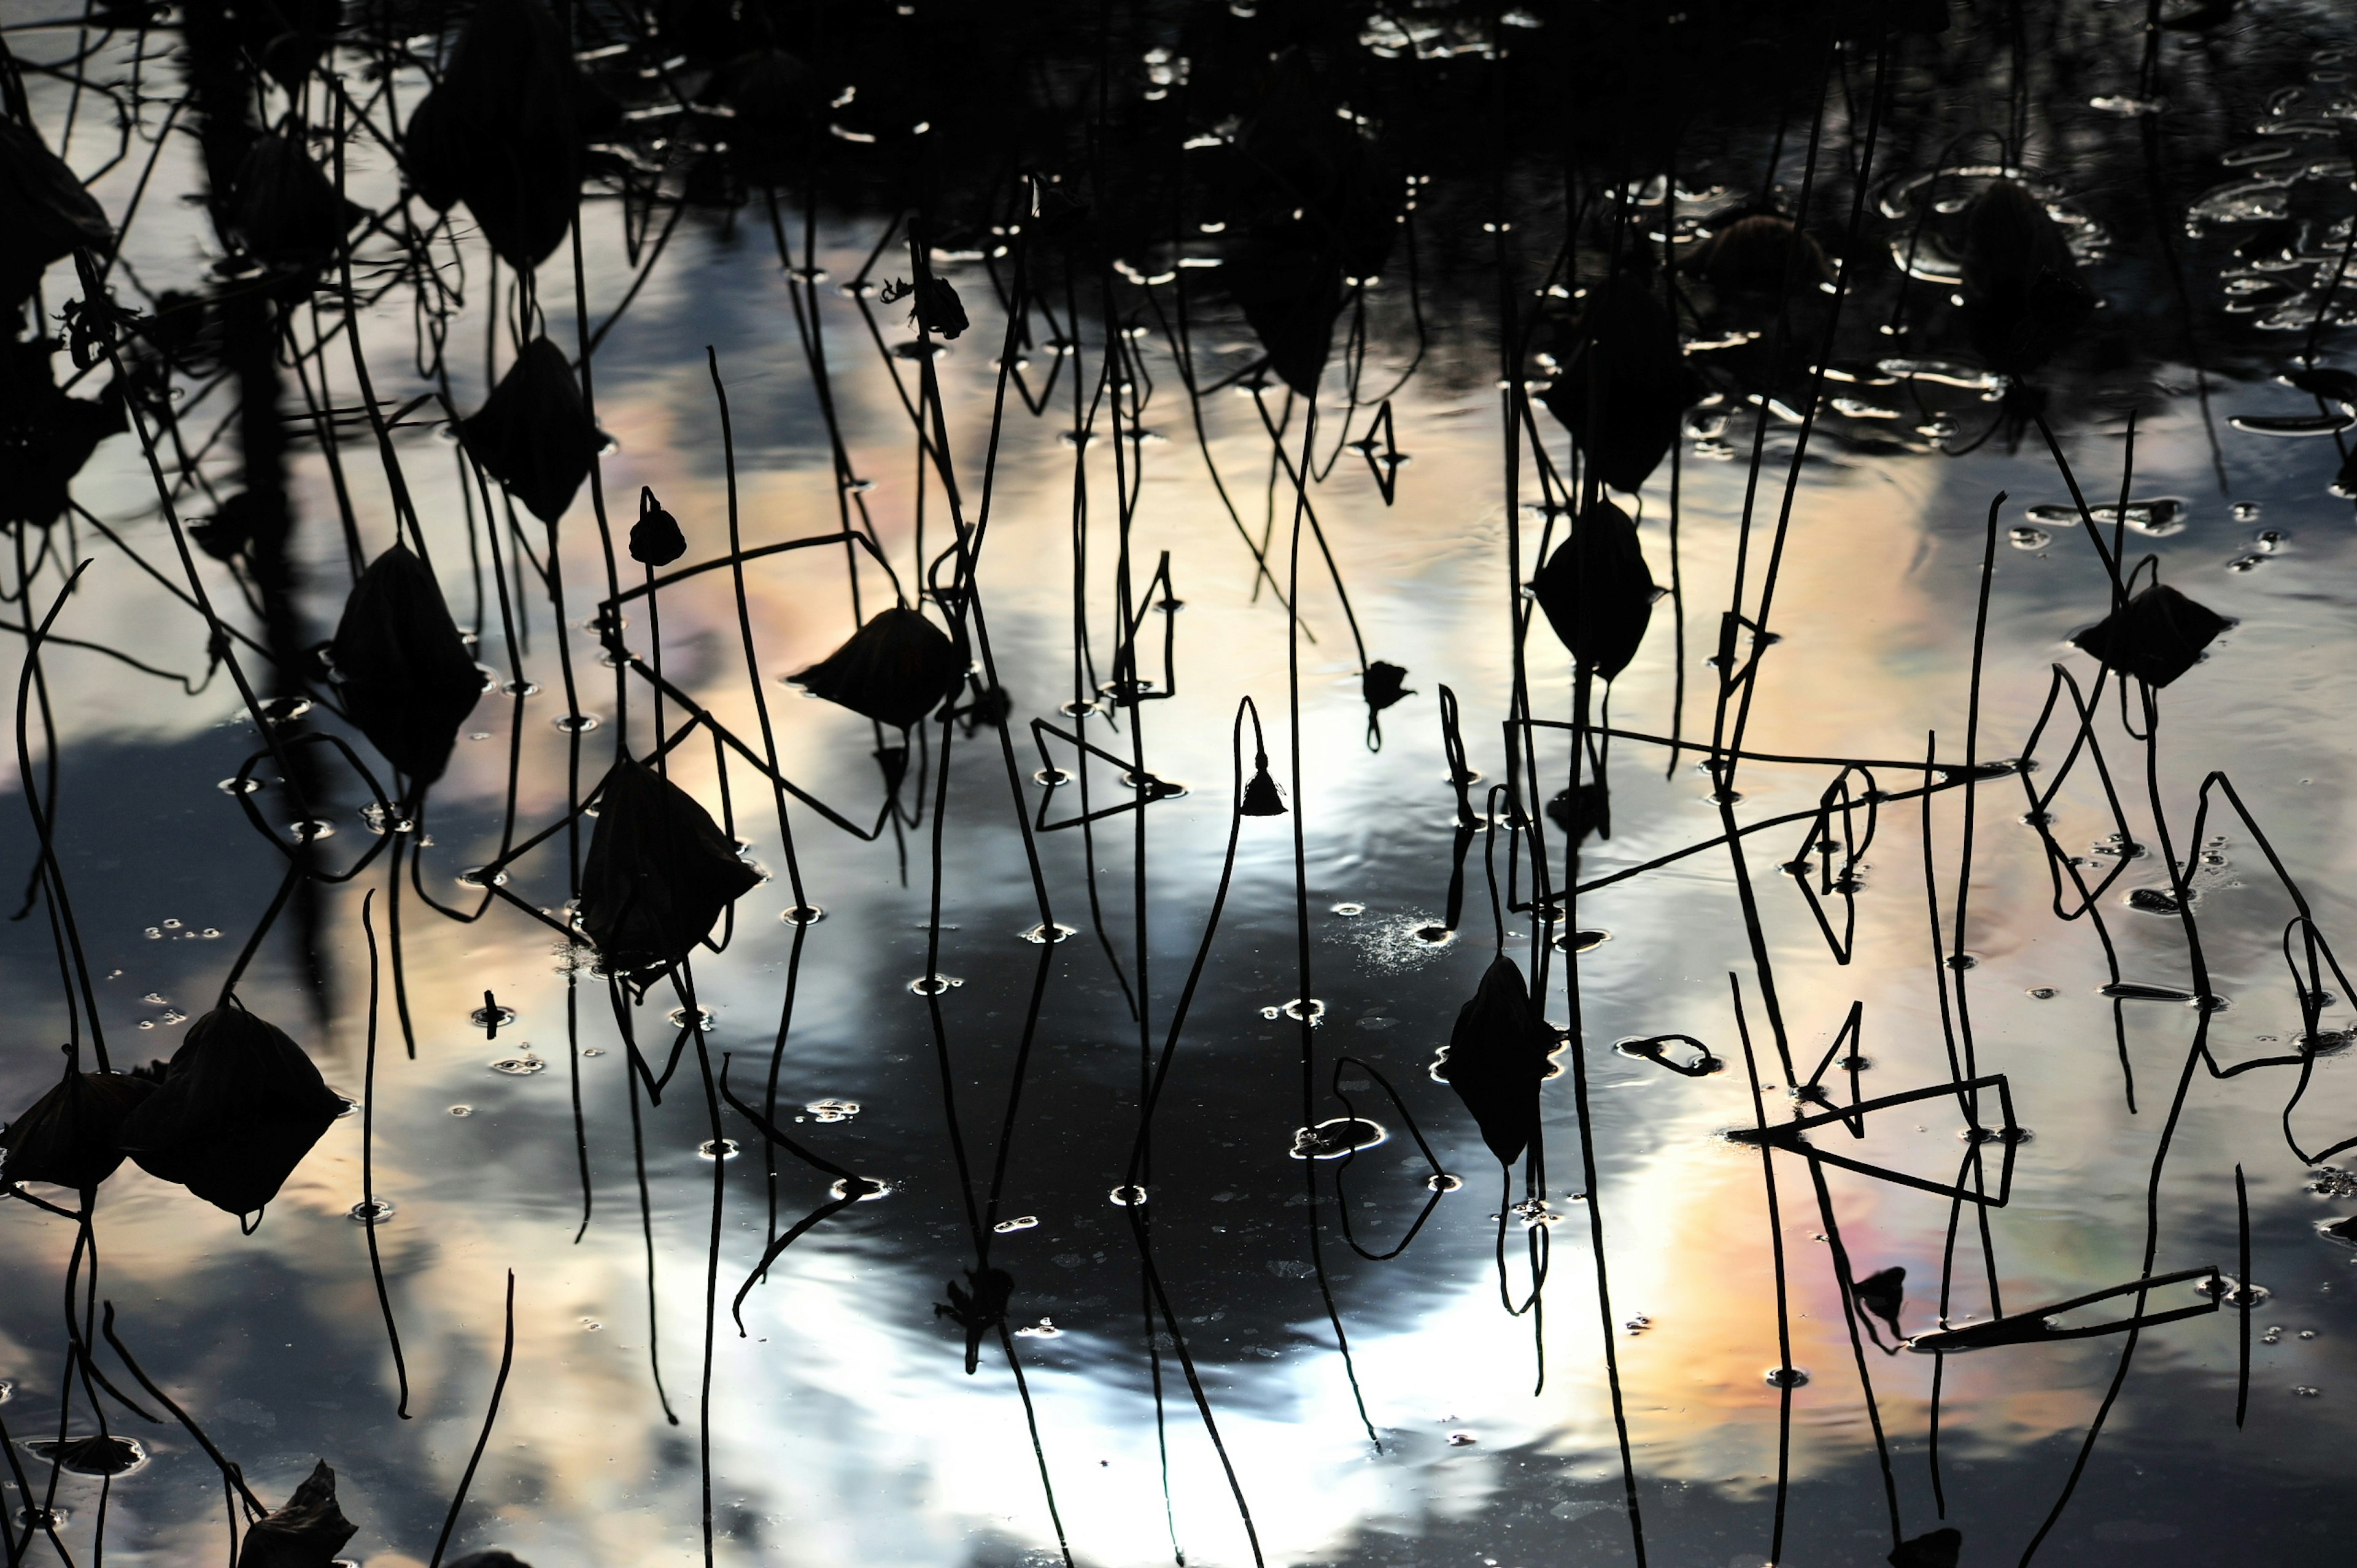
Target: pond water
column 981, row 1191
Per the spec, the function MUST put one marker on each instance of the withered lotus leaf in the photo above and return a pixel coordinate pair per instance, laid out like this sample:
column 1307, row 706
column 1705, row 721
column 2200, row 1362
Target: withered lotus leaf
column 2156, row 637
column 659, row 871
column 72, row 1135
column 44, row 211
column 239, row 1108
column 2023, row 299
column 1496, row 1058
column 895, row 669
column 1753, row 257
column 1597, row 591
column 285, row 208
column 1624, row 383
column 1882, row 1294
column 533, row 434
column 404, row 676
column 1940, row 1549
column 306, row 1532
column 503, row 131
column 1382, row 685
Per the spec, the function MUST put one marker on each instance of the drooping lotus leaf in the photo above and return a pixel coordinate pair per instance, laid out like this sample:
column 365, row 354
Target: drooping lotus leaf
column 658, row 874
column 533, row 434
column 2023, row 299
column 45, row 435
column 503, row 131
column 1883, row 1294
column 1290, row 295
column 72, row 1135
column 1383, row 685
column 44, row 211
column 1624, row 383
column 239, row 1108
column 1940, row 1549
column 1597, row 592
column 306, row 1532
column 403, row 672
column 1754, row 256
column 2156, row 637
column 895, row 669
column 1496, row 1058
column 285, row 210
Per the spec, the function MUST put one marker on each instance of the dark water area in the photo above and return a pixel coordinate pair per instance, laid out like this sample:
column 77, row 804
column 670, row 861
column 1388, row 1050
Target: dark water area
column 1232, row 783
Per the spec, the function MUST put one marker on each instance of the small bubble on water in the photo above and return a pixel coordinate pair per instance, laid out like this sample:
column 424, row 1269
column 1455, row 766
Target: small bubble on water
column 591, row 1326
column 1317, row 1012
column 1462, row 1440
column 1441, row 1181
column 935, row 984
column 1350, row 909
column 870, row 1189
column 721, row 1149
column 592, row 1050
column 492, row 1018
column 1127, row 1196
column 831, row 1109
column 1020, row 1222
column 1435, row 936
column 575, row 723
column 802, row 914
column 1043, row 1329
column 2030, row 538
column 704, row 1018
column 462, row 1111
column 1048, row 935
column 370, row 1211
column 238, row 785
column 2246, row 512
column 1785, row 1376
column 518, row 1067
column 2305, row 1391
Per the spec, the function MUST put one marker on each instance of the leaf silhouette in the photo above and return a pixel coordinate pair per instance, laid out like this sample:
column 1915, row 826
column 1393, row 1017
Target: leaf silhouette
column 1597, row 592
column 45, row 213
column 895, row 669
column 72, row 1134
column 2023, row 299
column 503, row 130
column 405, row 678
column 1382, row 685
column 1751, row 257
column 305, row 1533
column 659, row 873
column 45, row 435
column 1496, row 1058
column 533, row 434
column 284, row 209
column 1882, row 1294
column 1623, row 384
column 2156, row 637
column 1940, row 1549
column 239, row 1108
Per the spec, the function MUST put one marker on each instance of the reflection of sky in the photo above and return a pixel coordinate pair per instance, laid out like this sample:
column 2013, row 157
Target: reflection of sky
column 842, row 1430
